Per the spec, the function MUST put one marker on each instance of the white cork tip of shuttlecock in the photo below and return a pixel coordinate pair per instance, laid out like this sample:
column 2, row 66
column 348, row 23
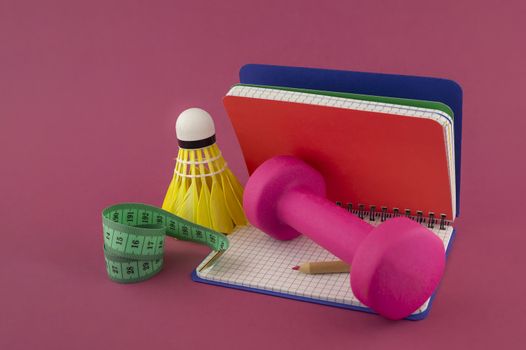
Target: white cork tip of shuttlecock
column 194, row 124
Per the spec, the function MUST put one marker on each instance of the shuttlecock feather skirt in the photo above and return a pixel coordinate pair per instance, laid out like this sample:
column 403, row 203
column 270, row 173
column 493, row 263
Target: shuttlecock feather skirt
column 204, row 190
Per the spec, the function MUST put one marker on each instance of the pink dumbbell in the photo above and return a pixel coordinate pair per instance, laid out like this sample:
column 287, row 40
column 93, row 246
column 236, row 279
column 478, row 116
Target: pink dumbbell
column 395, row 266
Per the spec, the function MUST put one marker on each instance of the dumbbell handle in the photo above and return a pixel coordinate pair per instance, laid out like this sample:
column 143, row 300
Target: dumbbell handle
column 330, row 226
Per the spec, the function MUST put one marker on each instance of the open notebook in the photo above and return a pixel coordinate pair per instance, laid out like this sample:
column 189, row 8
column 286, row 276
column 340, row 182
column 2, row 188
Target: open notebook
column 381, row 156
column 259, row 263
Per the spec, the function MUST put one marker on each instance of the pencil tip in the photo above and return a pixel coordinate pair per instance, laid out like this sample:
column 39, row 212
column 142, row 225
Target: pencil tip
column 296, row 267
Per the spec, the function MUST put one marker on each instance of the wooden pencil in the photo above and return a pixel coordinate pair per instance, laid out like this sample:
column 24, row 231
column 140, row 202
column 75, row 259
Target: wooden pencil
column 323, row 267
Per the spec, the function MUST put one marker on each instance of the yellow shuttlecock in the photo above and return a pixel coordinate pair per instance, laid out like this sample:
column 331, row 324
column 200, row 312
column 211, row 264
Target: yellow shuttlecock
column 203, row 189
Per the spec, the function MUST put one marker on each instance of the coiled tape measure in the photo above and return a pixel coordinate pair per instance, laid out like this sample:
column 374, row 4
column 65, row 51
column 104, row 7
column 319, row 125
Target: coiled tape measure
column 134, row 239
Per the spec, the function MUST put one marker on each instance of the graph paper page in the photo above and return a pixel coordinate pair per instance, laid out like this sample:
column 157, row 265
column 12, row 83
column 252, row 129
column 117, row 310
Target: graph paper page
column 255, row 260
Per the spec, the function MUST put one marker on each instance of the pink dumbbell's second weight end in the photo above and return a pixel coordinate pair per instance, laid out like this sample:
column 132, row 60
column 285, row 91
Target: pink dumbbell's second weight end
column 401, row 263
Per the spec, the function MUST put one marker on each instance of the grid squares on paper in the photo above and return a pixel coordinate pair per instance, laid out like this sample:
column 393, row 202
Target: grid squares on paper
column 255, row 260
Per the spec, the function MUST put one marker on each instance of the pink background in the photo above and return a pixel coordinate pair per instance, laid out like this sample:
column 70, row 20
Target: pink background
column 89, row 93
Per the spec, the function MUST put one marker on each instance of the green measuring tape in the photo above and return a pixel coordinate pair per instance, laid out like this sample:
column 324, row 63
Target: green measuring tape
column 134, row 239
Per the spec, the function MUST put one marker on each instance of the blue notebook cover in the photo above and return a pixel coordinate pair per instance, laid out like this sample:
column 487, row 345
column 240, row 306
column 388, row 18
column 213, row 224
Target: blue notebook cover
column 411, row 87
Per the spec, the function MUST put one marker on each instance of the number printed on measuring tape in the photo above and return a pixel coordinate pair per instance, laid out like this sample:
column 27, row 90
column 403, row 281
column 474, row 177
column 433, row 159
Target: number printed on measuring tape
column 134, row 239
